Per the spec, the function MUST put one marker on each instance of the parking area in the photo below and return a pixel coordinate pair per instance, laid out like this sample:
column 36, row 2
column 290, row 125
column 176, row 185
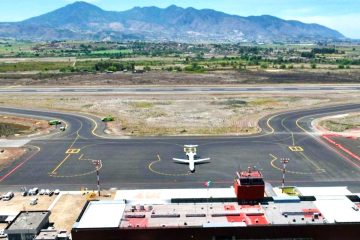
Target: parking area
column 65, row 207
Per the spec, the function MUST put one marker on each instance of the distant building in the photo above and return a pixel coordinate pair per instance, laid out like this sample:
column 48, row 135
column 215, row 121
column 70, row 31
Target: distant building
column 27, row 225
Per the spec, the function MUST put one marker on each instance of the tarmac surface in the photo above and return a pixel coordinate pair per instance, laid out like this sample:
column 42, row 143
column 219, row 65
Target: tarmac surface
column 65, row 159
column 185, row 89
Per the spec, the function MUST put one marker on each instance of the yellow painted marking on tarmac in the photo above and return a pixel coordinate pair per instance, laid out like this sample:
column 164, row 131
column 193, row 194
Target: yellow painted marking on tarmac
column 73, row 151
column 318, row 168
column 61, row 163
column 272, row 163
column 303, row 129
column 95, row 125
column 69, row 151
column 269, row 125
column 299, row 126
column 296, row 149
column 76, row 175
column 287, row 129
column 162, row 173
column 54, row 174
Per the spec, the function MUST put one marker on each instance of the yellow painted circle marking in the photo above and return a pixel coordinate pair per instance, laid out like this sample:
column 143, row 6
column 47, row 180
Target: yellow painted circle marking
column 272, row 163
column 165, row 174
column 54, row 174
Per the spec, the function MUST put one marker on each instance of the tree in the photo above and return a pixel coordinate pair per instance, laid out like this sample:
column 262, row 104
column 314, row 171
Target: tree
column 147, row 68
column 112, row 69
column 264, row 65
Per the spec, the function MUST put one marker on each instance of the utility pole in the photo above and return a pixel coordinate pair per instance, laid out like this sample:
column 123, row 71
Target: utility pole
column 284, row 162
column 97, row 164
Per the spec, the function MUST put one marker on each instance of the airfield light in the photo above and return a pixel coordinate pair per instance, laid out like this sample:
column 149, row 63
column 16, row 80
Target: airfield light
column 97, row 164
column 284, row 162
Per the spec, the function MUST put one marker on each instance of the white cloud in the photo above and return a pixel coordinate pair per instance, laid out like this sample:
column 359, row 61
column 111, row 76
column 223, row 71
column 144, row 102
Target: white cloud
column 345, row 24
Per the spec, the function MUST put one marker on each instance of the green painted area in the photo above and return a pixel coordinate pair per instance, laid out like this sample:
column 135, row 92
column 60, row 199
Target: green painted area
column 54, row 122
column 290, row 191
column 108, row 119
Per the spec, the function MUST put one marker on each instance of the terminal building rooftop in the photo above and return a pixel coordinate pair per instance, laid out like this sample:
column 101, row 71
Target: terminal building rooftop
column 27, row 224
column 333, row 212
column 224, row 212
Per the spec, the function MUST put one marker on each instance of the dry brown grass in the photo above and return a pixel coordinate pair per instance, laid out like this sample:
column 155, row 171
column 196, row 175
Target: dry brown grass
column 181, row 114
column 33, row 125
column 342, row 123
column 9, row 155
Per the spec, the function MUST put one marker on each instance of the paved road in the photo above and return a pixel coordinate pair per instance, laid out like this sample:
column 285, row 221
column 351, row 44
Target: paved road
column 282, row 88
column 64, row 159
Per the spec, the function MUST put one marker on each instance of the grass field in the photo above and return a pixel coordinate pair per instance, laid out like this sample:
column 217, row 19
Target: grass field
column 33, row 66
column 13, row 48
column 342, row 124
column 111, row 51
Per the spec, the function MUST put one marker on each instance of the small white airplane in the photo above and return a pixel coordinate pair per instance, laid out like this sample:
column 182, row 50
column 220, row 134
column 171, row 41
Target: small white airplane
column 190, row 151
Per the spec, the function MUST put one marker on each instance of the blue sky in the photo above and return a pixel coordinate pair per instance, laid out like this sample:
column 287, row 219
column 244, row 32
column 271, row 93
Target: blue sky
column 342, row 15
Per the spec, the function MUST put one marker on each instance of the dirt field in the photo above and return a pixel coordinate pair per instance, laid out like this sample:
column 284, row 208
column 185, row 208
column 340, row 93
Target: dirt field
column 181, row 78
column 342, row 123
column 7, row 155
column 64, row 213
column 27, row 126
column 67, row 210
column 180, row 114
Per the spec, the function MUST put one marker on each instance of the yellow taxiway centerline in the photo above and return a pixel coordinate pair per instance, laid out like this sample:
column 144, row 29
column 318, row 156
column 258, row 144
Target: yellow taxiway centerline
column 61, row 163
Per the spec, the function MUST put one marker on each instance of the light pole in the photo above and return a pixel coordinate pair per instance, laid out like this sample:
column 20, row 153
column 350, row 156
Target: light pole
column 284, row 162
column 97, row 164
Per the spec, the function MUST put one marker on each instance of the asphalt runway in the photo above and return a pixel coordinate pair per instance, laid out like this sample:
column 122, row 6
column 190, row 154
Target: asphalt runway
column 170, row 90
column 64, row 159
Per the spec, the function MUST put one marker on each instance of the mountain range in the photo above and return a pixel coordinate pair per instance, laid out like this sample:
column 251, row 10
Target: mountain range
column 84, row 21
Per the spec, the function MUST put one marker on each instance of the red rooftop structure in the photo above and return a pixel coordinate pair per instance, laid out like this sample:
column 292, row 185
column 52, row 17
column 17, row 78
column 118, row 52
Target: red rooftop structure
column 249, row 185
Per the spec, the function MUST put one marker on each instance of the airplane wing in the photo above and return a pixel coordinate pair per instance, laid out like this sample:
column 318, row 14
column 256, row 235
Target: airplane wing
column 201, row 160
column 181, row 160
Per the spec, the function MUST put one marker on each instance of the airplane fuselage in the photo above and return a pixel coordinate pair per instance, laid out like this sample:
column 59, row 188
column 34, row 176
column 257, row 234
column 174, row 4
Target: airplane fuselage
column 191, row 157
column 190, row 151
